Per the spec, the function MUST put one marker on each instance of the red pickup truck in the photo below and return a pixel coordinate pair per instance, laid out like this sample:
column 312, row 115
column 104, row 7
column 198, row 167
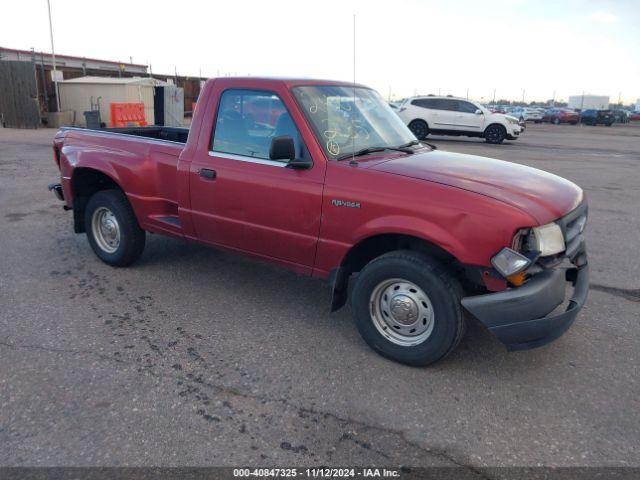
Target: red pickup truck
column 327, row 181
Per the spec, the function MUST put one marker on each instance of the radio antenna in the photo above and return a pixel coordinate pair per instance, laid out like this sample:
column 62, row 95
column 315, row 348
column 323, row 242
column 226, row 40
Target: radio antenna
column 353, row 107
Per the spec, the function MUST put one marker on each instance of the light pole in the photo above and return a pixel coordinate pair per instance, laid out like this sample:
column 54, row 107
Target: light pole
column 53, row 58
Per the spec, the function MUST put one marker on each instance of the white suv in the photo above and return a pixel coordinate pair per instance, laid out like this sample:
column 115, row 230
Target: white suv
column 456, row 116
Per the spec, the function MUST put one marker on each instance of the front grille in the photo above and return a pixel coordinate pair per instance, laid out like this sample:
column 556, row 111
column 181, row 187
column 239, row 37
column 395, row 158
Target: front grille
column 572, row 226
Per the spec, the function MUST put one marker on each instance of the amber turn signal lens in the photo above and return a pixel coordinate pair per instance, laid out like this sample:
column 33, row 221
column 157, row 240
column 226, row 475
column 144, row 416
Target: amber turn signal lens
column 517, row 279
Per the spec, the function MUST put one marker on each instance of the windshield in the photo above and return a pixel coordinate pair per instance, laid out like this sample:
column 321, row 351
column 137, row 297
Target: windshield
column 347, row 120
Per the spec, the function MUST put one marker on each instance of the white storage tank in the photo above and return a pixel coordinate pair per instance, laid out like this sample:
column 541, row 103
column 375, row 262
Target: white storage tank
column 589, row 102
column 78, row 95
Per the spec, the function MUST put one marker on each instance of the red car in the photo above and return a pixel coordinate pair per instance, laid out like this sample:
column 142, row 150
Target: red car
column 561, row 115
column 335, row 186
column 634, row 117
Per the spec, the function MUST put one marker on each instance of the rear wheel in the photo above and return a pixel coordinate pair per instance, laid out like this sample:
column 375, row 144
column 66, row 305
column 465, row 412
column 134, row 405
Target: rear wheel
column 495, row 134
column 556, row 121
column 407, row 308
column 112, row 228
column 419, row 128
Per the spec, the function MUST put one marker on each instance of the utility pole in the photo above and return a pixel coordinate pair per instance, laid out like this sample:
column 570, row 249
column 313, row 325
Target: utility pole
column 553, row 99
column 523, row 95
column 494, row 96
column 467, row 93
column 53, row 58
column 44, row 82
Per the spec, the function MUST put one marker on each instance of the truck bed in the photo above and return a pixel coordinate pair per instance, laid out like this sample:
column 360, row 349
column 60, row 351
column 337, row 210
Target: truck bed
column 158, row 132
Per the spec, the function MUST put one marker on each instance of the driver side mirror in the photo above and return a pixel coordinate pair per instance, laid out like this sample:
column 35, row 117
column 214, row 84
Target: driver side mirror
column 479, row 112
column 284, row 148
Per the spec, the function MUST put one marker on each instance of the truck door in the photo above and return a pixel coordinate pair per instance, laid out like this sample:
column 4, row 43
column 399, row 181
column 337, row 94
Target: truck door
column 243, row 200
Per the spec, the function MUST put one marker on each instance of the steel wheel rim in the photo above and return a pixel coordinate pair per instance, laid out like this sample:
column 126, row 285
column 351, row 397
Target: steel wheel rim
column 401, row 312
column 106, row 229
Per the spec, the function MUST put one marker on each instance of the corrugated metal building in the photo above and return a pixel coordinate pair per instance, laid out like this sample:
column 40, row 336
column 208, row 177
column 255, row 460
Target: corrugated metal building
column 71, row 67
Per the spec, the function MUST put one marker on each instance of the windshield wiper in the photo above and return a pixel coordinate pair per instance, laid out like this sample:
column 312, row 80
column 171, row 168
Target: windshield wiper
column 410, row 144
column 418, row 142
column 367, row 151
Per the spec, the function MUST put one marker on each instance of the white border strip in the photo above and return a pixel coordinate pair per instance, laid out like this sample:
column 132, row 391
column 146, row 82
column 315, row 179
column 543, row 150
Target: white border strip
column 248, row 159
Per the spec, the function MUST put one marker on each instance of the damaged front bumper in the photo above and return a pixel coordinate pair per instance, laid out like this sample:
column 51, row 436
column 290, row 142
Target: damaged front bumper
column 523, row 317
column 520, row 318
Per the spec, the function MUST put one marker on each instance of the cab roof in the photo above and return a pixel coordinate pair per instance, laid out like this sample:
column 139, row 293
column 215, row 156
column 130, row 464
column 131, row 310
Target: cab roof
column 286, row 81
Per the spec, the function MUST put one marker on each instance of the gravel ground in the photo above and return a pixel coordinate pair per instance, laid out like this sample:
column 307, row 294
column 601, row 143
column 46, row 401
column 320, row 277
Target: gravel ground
column 198, row 357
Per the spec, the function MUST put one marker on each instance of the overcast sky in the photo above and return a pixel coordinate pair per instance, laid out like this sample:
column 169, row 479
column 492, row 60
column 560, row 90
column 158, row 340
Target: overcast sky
column 402, row 46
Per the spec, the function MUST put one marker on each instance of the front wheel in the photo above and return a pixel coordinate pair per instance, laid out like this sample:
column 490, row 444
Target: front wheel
column 419, row 128
column 112, row 228
column 495, row 134
column 556, row 121
column 407, row 308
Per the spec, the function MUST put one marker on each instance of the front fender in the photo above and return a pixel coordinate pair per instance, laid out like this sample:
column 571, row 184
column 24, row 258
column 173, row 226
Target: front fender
column 415, row 227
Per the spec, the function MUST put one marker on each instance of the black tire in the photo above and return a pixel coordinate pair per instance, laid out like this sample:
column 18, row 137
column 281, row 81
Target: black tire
column 419, row 128
column 444, row 293
column 573, row 123
column 556, row 121
column 537, row 121
column 495, row 134
column 131, row 237
column 609, row 124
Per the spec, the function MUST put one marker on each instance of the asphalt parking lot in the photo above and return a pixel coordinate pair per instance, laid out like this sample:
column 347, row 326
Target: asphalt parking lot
column 198, row 357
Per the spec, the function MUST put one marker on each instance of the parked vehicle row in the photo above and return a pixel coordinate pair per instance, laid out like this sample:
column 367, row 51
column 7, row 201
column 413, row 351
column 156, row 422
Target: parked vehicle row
column 597, row 117
column 526, row 114
column 561, row 115
column 457, row 116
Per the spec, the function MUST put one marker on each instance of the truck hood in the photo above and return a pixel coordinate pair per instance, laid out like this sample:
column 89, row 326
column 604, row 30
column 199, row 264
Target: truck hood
column 543, row 195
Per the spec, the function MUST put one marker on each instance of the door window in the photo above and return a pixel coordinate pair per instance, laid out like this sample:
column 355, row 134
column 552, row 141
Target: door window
column 466, row 107
column 247, row 121
column 448, row 104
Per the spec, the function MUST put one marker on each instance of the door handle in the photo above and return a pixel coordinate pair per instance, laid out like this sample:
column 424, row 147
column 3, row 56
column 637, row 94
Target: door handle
column 207, row 173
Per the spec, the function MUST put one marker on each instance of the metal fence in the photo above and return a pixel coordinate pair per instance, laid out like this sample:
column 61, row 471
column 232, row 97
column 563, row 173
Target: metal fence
column 18, row 95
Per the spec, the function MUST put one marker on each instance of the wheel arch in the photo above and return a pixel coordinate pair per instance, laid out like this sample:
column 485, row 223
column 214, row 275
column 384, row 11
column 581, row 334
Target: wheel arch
column 371, row 247
column 85, row 181
column 495, row 124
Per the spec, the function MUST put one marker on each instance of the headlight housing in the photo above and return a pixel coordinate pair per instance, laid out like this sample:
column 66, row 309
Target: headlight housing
column 547, row 239
column 509, row 262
